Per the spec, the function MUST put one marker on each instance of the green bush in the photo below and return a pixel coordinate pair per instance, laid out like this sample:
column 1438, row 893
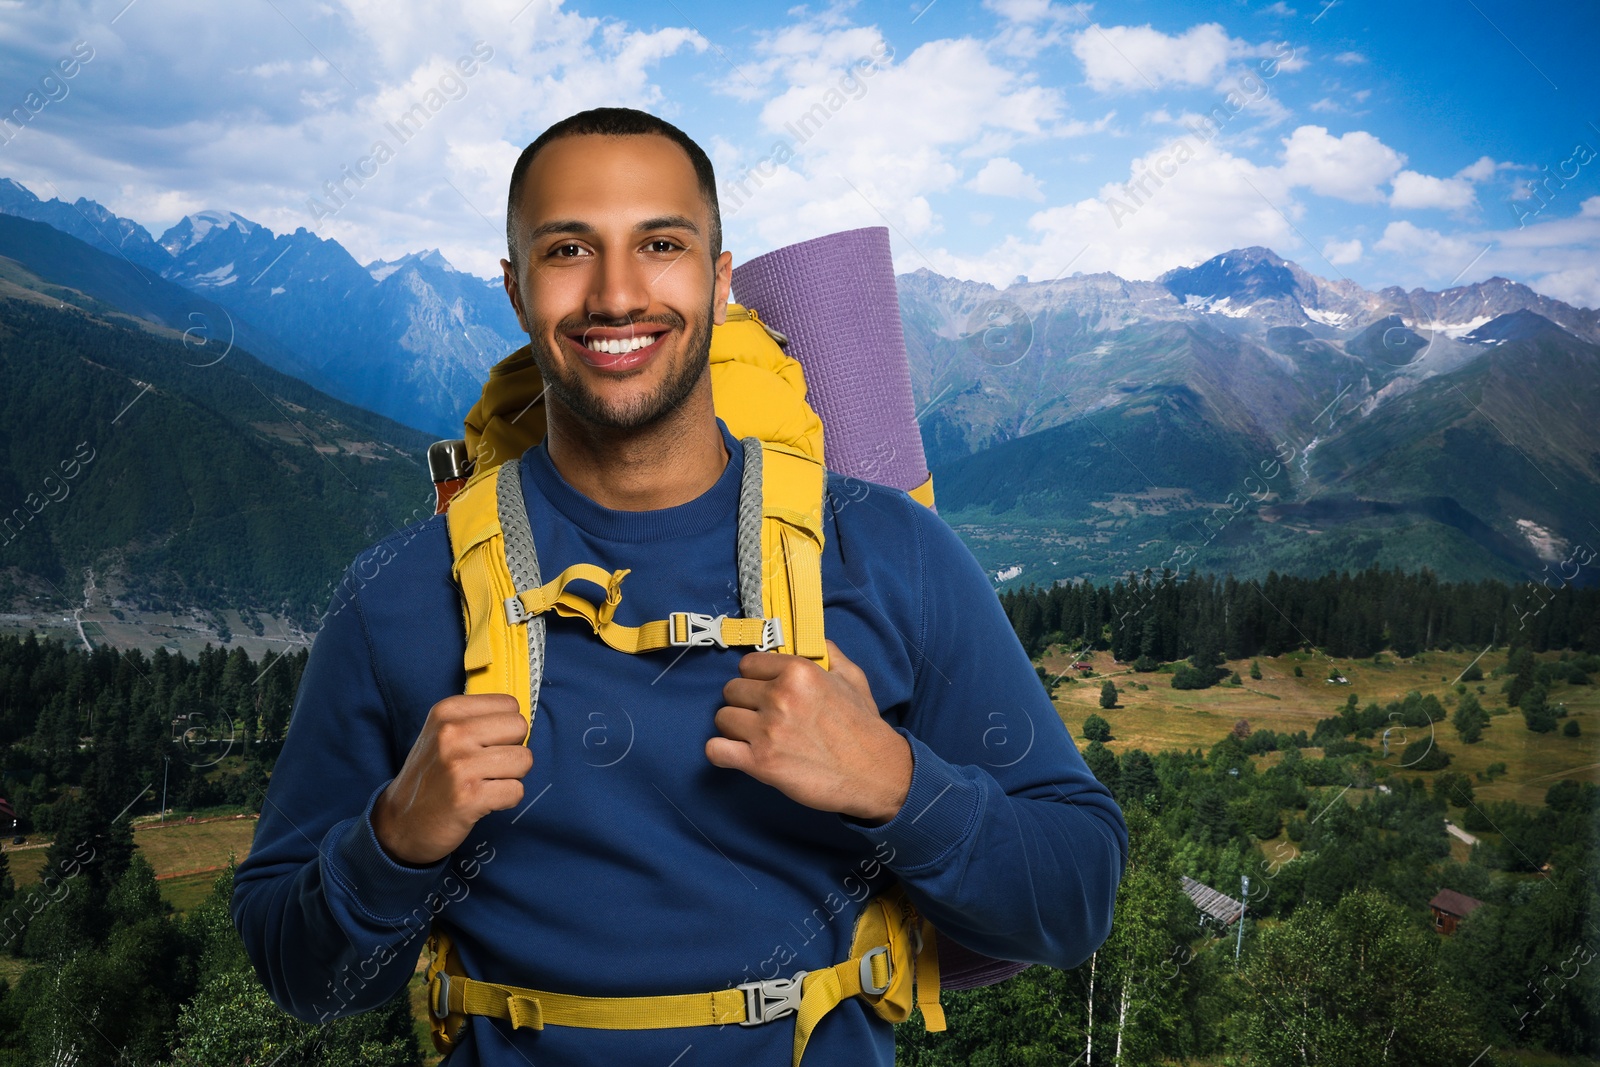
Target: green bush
column 1424, row 755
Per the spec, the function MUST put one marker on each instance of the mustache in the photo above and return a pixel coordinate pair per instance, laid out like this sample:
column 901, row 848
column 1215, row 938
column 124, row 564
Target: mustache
column 576, row 327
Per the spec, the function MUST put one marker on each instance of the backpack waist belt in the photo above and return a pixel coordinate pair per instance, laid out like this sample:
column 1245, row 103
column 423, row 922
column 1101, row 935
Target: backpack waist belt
column 893, row 949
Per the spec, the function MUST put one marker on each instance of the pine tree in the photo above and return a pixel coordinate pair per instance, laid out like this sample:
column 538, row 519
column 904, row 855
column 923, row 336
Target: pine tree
column 1103, row 765
column 1139, row 781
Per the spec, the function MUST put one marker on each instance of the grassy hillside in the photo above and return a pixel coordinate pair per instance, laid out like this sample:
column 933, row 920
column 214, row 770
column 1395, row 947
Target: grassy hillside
column 1160, row 717
column 173, row 478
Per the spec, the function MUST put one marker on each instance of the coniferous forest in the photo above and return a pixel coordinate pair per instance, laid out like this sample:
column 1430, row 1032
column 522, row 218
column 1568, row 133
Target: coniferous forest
column 1338, row 960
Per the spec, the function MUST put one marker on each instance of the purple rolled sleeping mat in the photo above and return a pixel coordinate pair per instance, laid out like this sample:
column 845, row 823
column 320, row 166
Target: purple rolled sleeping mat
column 834, row 299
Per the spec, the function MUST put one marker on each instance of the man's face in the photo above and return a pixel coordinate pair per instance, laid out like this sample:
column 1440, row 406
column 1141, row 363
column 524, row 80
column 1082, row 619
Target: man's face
column 617, row 289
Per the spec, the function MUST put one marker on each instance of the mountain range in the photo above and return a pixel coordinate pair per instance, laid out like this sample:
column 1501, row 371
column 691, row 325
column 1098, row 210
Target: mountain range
column 412, row 339
column 1240, row 415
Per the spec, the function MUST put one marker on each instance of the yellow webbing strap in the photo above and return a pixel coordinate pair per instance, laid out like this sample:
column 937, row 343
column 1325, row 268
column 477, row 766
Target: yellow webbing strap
column 645, row 638
column 497, row 653
column 792, row 486
column 885, row 952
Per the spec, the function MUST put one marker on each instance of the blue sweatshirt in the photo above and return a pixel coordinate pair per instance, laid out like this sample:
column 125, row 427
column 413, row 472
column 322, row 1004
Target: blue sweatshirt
column 633, row 866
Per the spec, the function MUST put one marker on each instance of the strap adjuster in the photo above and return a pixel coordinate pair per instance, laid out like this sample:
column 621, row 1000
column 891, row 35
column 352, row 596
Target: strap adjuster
column 693, row 628
column 771, row 635
column 441, row 1009
column 867, row 985
column 516, row 612
column 776, row 998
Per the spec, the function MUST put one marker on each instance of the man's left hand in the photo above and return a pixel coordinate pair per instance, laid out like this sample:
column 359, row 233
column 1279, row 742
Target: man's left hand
column 816, row 735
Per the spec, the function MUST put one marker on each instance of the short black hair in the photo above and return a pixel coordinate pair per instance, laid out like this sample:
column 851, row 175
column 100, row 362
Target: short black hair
column 615, row 122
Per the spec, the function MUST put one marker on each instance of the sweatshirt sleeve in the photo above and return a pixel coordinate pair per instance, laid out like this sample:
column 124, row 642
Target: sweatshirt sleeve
column 333, row 924
column 1006, row 842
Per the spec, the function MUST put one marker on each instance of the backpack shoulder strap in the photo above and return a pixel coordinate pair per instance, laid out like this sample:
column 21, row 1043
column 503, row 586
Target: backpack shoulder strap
column 792, row 487
column 494, row 557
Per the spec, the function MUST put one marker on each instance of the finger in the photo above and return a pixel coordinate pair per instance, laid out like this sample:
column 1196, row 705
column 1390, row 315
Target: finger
column 763, row 666
column 734, row 755
column 846, row 668
column 499, row 794
column 746, row 693
column 462, row 736
column 502, row 761
column 738, row 724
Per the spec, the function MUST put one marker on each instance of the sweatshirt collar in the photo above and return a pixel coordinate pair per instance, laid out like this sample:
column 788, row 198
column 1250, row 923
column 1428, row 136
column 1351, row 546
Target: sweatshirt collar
column 716, row 506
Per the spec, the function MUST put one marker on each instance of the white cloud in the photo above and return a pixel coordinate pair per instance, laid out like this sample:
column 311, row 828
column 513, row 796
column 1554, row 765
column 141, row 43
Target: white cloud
column 1028, row 27
column 1341, row 253
column 1005, row 177
column 1036, row 10
column 1207, row 201
column 881, row 154
column 1481, row 171
column 1281, row 9
column 1579, row 286
column 1413, row 190
column 1430, row 247
column 1554, row 256
column 1349, row 58
column 1350, row 167
column 1140, row 57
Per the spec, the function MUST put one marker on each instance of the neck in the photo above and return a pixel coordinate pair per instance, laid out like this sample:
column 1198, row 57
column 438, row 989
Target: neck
column 670, row 462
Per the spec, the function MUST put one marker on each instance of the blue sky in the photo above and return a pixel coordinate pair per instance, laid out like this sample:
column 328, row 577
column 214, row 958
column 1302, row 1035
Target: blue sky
column 1383, row 143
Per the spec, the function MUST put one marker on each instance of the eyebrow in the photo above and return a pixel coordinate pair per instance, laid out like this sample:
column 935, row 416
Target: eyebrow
column 577, row 226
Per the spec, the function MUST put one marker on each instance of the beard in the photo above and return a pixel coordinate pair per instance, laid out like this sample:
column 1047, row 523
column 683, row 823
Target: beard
column 637, row 412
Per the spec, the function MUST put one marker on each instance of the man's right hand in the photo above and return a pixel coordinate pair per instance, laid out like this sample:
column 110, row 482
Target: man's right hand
column 468, row 760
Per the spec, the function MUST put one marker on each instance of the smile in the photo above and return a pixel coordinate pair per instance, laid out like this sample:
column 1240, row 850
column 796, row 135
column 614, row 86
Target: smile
column 617, row 353
column 621, row 346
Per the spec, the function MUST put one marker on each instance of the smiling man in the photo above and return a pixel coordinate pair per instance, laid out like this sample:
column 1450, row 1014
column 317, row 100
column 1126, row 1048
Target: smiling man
column 678, row 823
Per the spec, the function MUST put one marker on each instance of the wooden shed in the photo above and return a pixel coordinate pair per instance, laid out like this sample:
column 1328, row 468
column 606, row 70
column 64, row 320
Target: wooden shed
column 1450, row 907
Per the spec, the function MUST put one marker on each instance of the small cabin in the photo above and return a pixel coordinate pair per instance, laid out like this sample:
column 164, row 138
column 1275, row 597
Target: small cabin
column 1449, row 908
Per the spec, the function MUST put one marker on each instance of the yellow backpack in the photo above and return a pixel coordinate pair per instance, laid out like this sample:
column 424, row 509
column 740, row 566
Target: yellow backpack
column 759, row 393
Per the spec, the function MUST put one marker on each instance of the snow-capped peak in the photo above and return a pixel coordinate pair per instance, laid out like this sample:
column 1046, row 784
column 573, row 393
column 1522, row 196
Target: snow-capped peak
column 192, row 229
column 381, row 269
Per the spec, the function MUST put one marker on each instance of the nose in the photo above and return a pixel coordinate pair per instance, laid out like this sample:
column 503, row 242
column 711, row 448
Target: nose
column 620, row 291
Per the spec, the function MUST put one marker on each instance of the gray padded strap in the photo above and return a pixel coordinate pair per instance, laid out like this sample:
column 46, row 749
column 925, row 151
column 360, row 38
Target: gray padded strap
column 524, row 564
column 749, row 544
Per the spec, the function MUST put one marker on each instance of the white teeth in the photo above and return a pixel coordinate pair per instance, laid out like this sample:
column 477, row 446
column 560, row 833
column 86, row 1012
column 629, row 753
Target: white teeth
column 618, row 346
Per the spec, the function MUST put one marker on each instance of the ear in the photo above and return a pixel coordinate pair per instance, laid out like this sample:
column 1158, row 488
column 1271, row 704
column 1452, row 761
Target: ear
column 514, row 291
column 723, row 279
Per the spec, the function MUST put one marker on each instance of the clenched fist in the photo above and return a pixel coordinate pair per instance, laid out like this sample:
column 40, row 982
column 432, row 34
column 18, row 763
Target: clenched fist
column 814, row 734
column 468, row 760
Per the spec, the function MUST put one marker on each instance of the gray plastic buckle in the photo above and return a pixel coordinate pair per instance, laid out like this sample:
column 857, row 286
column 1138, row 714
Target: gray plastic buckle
column 441, row 1010
column 773, row 999
column 516, row 612
column 771, row 635
column 698, row 629
column 866, row 971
